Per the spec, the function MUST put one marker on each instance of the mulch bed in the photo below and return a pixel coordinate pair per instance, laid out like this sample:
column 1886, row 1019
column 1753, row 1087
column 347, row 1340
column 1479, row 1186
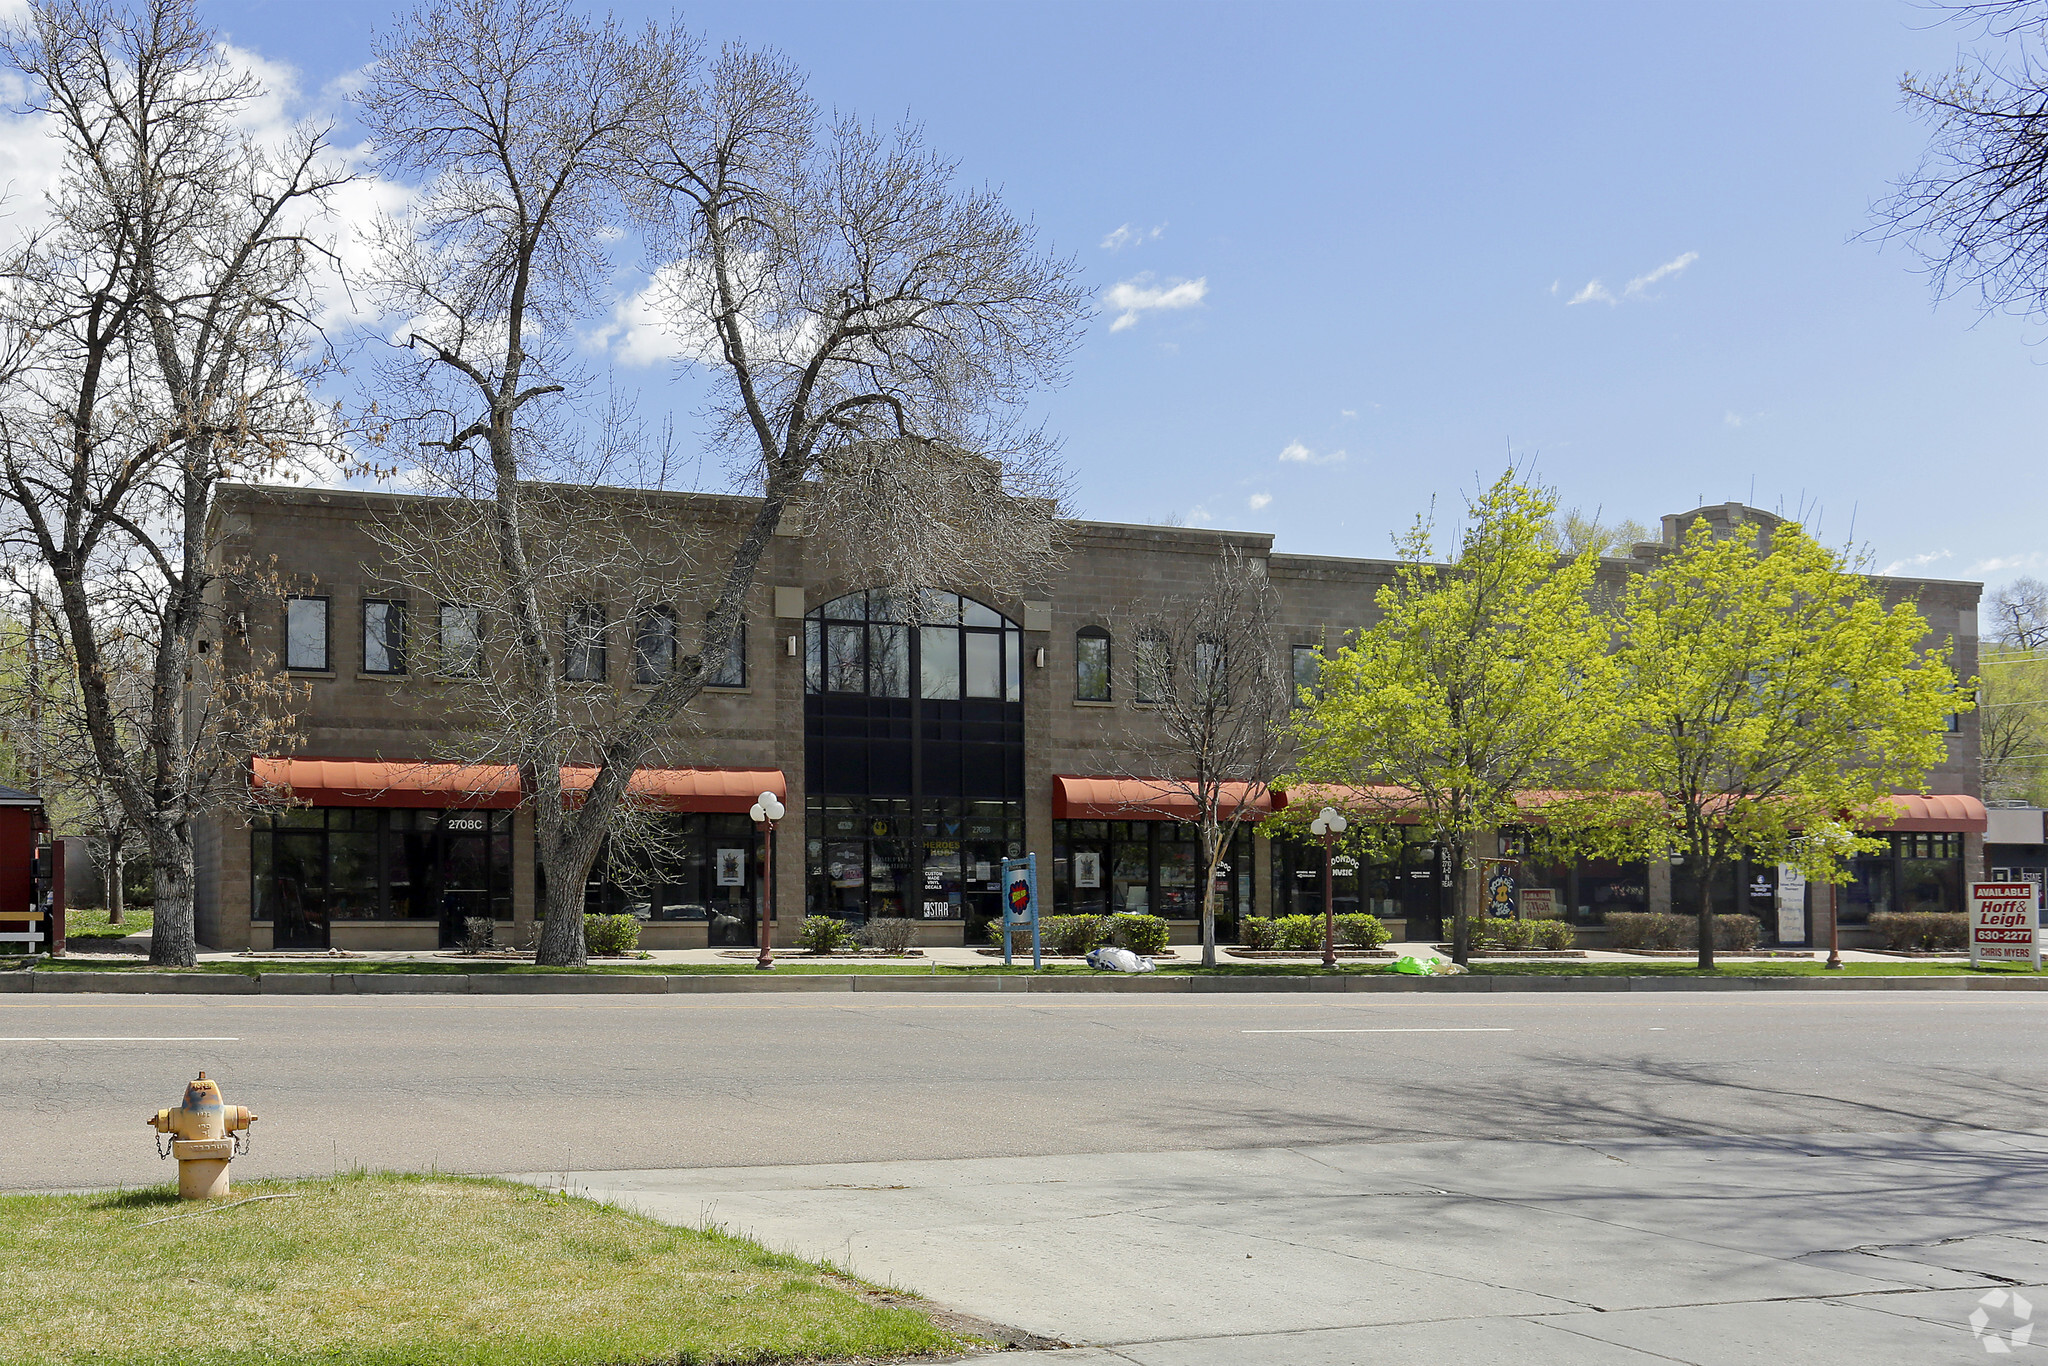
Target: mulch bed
column 1718, row 953
column 1919, row 953
column 835, row 953
column 1067, row 957
column 1514, row 953
column 1309, row 953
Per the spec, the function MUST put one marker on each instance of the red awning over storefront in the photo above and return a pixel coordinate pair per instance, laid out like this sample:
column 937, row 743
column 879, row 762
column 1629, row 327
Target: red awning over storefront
column 377, row 782
column 1946, row 812
column 1144, row 799
column 1388, row 805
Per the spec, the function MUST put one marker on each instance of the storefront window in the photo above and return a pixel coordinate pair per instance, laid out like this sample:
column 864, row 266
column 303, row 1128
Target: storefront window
column 311, row 866
column 686, row 866
column 1921, row 871
column 859, row 857
column 1147, row 868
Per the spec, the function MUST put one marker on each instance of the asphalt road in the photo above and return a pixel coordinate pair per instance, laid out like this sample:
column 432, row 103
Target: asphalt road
column 570, row 1083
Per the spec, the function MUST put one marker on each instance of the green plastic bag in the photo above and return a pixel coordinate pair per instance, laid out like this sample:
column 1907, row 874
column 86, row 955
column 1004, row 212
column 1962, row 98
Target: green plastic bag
column 1413, row 966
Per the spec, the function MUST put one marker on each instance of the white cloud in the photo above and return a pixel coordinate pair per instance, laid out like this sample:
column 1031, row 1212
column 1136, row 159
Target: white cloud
column 1665, row 271
column 1294, row 453
column 1125, row 235
column 1596, row 292
column 1198, row 515
column 1731, row 418
column 1347, row 412
column 1999, row 564
column 1130, row 299
column 1258, row 501
column 1915, row 561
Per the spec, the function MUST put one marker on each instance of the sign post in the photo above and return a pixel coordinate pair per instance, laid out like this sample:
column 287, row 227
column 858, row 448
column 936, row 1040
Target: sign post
column 1020, row 904
column 2003, row 926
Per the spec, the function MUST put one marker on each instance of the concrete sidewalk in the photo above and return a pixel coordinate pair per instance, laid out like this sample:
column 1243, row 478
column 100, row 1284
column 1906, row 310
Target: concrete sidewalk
column 1840, row 1248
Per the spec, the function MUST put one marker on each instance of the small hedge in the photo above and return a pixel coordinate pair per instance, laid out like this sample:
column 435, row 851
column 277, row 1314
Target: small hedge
column 1298, row 932
column 1661, row 930
column 1496, row 932
column 1922, row 930
column 1256, row 931
column 823, row 934
column 1142, row 934
column 1362, row 931
column 890, row 934
column 610, row 936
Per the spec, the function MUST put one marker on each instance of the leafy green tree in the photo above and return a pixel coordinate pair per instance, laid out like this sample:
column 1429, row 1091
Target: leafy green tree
column 1483, row 679
column 1765, row 690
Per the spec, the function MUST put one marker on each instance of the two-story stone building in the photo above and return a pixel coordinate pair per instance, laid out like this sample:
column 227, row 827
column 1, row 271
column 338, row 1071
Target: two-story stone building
column 913, row 757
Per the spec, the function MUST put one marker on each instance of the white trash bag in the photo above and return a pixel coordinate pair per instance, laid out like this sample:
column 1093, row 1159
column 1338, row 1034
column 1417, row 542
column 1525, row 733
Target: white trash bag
column 1119, row 960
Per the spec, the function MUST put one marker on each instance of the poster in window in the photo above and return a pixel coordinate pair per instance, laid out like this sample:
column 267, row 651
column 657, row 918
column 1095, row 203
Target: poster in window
column 1087, row 868
column 843, row 864
column 732, row 867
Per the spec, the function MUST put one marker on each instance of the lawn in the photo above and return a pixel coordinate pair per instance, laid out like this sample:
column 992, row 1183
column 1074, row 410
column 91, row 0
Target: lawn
column 89, row 924
column 425, row 1271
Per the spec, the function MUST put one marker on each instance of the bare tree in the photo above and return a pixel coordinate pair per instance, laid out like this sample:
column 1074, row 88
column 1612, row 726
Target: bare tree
column 2019, row 614
column 1975, row 208
column 1208, row 665
column 158, row 339
column 869, row 324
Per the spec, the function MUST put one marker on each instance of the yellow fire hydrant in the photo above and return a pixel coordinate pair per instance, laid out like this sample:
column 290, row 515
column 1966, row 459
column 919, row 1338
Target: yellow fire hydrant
column 203, row 1139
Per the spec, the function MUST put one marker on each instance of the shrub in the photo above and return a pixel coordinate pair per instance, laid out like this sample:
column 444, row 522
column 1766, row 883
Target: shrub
column 1145, row 934
column 1298, row 932
column 1658, row 930
column 478, row 932
column 1072, row 935
column 610, row 936
column 1362, row 931
column 1255, row 932
column 1922, row 929
column 823, row 934
column 1501, row 933
column 1553, row 934
column 891, row 934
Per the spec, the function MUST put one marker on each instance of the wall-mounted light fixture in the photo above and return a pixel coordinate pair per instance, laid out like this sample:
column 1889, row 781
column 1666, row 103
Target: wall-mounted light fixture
column 1041, row 657
column 790, row 648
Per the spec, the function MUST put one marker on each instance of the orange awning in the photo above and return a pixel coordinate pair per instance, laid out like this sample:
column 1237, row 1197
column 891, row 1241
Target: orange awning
column 1943, row 812
column 690, row 789
column 1390, row 805
column 1145, row 799
column 378, row 782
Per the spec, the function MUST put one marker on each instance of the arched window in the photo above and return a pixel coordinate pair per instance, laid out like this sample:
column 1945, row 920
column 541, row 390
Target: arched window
column 869, row 644
column 1091, row 664
column 1155, row 666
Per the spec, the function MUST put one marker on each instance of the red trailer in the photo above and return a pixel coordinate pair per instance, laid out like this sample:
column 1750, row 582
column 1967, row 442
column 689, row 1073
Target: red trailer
column 31, row 877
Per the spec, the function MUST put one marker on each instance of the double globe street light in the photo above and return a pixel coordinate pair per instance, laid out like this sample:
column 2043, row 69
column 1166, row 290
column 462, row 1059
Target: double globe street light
column 1327, row 825
column 764, row 813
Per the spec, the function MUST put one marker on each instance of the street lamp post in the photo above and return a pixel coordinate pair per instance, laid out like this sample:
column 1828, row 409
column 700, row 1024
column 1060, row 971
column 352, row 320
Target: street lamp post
column 765, row 813
column 1327, row 825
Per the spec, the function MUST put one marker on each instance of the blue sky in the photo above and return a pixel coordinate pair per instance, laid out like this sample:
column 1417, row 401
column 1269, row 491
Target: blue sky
column 1375, row 220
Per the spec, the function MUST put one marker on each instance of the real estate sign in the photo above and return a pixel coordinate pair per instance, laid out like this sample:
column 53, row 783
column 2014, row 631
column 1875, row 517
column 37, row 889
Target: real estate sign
column 2002, row 924
column 1791, row 905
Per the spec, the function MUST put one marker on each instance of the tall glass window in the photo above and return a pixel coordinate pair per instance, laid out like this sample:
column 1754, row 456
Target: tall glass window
column 311, row 866
column 654, row 645
column 1091, row 664
column 732, row 673
column 583, row 649
column 383, row 636
column 305, row 634
column 1308, row 672
column 691, row 867
column 461, row 640
column 1148, row 868
column 1155, row 667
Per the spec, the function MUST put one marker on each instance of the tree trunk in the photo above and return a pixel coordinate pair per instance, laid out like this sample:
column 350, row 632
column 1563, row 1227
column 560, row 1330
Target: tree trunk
column 1706, row 912
column 116, row 866
column 1461, row 923
column 1210, row 853
column 173, row 942
column 561, row 929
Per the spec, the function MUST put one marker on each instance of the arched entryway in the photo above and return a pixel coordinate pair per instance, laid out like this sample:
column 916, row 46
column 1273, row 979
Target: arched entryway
column 913, row 757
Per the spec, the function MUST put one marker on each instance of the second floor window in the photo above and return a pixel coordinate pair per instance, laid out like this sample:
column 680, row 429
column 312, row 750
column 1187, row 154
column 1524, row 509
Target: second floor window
column 654, row 645
column 1155, row 667
column 733, row 673
column 305, row 634
column 1308, row 671
column 583, row 652
column 1091, row 664
column 462, row 640
column 383, row 636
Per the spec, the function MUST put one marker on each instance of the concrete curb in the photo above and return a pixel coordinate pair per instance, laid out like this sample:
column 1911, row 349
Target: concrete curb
column 654, row 984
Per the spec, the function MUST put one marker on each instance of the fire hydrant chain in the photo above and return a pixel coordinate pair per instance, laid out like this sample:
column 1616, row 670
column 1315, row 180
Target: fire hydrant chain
column 205, row 1136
